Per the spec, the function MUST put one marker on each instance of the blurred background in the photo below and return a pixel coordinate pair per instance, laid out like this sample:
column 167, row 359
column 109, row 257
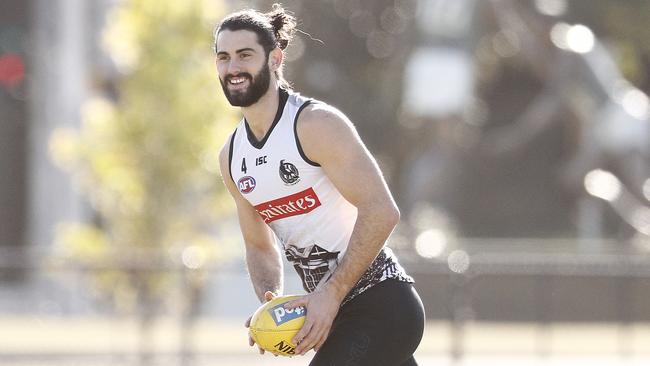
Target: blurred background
column 514, row 134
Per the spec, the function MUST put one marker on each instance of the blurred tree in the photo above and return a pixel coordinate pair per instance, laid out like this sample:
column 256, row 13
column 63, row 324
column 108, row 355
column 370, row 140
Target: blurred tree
column 147, row 158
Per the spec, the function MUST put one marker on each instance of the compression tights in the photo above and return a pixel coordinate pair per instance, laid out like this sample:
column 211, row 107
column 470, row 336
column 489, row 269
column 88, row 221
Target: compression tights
column 382, row 326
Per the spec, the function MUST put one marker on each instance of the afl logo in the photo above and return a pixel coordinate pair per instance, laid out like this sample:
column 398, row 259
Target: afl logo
column 289, row 173
column 246, row 184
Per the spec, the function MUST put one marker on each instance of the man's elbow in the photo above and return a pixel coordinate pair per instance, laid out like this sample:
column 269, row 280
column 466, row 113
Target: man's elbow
column 392, row 215
column 385, row 214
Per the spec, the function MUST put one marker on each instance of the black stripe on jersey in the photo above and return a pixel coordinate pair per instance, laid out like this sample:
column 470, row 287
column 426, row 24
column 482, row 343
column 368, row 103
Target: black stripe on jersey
column 295, row 134
column 284, row 95
column 232, row 144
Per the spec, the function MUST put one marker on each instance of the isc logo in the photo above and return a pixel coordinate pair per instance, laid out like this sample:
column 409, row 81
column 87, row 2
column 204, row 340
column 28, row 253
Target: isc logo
column 281, row 315
column 246, row 184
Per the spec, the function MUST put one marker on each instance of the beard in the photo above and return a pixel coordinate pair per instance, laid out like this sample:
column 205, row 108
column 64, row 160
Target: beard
column 258, row 86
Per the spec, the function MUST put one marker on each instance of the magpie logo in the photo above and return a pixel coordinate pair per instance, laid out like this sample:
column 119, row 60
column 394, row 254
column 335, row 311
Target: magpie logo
column 289, row 173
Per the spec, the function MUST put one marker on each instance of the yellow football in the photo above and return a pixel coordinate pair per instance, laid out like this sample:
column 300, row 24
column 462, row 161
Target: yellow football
column 272, row 326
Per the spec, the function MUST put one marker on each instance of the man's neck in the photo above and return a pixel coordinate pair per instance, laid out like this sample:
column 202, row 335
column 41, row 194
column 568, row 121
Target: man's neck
column 260, row 115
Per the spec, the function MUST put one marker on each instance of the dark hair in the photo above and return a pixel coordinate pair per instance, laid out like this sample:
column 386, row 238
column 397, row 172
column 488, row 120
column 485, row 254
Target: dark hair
column 273, row 29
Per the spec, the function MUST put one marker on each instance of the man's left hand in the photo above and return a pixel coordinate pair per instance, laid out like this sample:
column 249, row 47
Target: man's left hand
column 322, row 308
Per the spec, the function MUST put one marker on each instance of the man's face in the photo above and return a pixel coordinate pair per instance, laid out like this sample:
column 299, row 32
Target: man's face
column 243, row 67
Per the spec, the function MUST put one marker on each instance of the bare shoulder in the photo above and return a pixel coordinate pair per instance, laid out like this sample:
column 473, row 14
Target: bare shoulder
column 224, row 152
column 320, row 122
column 321, row 113
column 224, row 158
column 322, row 126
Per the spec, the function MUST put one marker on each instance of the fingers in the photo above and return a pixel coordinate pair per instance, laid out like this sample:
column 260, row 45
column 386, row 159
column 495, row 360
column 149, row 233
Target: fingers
column 303, row 301
column 247, row 324
column 321, row 341
column 313, row 339
column 302, row 333
column 268, row 295
column 312, row 332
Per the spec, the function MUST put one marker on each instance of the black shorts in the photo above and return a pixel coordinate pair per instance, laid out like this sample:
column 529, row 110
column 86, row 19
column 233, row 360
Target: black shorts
column 382, row 326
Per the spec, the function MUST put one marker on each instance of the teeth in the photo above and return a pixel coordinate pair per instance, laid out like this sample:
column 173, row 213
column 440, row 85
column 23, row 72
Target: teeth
column 237, row 80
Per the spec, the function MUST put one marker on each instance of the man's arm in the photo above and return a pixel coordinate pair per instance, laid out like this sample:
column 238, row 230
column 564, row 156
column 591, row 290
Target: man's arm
column 329, row 138
column 262, row 255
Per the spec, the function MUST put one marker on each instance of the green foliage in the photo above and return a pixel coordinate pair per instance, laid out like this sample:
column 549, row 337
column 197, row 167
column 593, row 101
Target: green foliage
column 148, row 161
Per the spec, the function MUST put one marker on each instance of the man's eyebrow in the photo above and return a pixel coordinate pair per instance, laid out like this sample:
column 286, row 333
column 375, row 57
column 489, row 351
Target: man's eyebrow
column 247, row 49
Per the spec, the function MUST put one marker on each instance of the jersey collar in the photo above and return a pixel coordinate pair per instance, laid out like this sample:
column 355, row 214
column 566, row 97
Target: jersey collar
column 284, row 96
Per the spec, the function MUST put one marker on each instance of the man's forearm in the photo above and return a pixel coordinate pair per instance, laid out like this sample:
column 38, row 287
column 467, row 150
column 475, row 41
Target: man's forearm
column 265, row 269
column 371, row 230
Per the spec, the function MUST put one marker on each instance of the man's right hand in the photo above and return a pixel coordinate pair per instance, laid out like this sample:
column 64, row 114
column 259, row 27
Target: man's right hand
column 268, row 296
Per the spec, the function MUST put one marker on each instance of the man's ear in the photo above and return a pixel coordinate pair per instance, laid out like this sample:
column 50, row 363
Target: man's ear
column 275, row 59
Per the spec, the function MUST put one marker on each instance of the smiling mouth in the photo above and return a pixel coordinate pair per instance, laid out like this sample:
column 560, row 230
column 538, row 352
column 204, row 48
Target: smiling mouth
column 237, row 82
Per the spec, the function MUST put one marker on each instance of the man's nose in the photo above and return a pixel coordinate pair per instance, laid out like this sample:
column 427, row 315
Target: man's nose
column 234, row 67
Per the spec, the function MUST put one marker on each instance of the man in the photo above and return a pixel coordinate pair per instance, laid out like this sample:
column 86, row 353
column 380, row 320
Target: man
column 298, row 171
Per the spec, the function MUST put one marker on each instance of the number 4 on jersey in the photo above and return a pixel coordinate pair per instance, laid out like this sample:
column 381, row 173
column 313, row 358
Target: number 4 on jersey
column 243, row 165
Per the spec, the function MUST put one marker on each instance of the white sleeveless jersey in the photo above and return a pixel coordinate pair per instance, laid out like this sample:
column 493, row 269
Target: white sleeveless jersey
column 293, row 195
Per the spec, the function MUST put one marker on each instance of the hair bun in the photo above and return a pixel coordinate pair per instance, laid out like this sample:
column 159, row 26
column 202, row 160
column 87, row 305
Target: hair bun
column 283, row 25
column 277, row 21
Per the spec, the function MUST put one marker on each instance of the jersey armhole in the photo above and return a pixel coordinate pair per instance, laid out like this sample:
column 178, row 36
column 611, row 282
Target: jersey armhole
column 230, row 149
column 295, row 134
